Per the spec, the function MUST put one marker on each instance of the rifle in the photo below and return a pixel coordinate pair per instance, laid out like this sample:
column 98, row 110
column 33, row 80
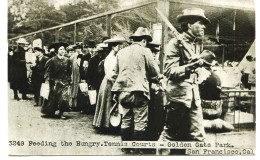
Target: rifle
column 177, row 36
column 203, row 74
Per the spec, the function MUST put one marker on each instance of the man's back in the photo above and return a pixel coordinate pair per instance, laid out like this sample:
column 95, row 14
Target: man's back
column 135, row 65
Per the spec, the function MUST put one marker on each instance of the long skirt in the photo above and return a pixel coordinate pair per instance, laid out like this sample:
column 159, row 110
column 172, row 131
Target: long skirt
column 58, row 100
column 104, row 105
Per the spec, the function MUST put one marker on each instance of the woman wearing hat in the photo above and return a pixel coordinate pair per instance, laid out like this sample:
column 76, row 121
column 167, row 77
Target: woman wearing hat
column 58, row 76
column 104, row 101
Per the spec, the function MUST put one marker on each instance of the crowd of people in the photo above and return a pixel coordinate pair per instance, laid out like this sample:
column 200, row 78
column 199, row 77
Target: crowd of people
column 126, row 78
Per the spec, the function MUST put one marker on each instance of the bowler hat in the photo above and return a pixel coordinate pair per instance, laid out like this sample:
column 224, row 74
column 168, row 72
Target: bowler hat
column 38, row 49
column 142, row 32
column 208, row 57
column 78, row 46
column 91, row 44
column 22, row 41
column 115, row 39
column 193, row 13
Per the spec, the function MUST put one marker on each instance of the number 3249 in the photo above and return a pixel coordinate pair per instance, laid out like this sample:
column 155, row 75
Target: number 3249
column 16, row 143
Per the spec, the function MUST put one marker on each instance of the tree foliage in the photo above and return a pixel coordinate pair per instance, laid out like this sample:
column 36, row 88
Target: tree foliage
column 27, row 16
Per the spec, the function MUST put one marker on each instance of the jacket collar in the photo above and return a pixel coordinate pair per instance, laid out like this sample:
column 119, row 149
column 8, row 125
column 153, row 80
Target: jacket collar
column 189, row 37
column 136, row 43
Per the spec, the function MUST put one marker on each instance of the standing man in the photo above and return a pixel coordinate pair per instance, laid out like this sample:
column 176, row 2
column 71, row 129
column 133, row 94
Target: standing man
column 184, row 114
column 134, row 67
column 38, row 71
column 19, row 79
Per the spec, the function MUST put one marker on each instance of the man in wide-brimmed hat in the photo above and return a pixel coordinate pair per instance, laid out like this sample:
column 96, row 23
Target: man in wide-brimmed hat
column 135, row 66
column 182, row 58
column 19, row 79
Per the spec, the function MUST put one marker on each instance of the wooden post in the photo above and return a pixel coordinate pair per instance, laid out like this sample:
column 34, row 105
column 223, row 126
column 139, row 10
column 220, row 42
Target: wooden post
column 223, row 55
column 56, row 35
column 75, row 33
column 163, row 6
column 42, row 37
column 108, row 25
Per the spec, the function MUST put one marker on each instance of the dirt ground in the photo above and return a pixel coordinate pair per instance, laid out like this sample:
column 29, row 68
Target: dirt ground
column 26, row 124
column 31, row 134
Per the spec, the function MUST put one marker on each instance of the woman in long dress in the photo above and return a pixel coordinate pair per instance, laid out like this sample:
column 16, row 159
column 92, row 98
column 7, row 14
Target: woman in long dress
column 104, row 101
column 58, row 76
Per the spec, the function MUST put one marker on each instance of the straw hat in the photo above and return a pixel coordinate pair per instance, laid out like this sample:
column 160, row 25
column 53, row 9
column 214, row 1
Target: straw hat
column 115, row 39
column 191, row 13
column 142, row 32
column 22, row 41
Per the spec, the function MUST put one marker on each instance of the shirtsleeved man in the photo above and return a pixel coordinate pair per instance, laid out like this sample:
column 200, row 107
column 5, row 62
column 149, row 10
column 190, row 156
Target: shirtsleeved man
column 184, row 114
column 134, row 67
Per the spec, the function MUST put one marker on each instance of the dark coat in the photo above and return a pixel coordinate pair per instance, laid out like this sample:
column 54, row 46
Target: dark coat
column 10, row 66
column 58, row 74
column 94, row 77
column 58, row 70
column 19, row 79
column 39, row 70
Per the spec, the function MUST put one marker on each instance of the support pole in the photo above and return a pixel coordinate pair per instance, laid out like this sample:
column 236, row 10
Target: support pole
column 163, row 6
column 223, row 55
column 56, row 35
column 75, row 33
column 108, row 25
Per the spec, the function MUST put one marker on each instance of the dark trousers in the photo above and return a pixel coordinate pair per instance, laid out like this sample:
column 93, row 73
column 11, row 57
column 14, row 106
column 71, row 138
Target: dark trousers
column 182, row 124
column 37, row 89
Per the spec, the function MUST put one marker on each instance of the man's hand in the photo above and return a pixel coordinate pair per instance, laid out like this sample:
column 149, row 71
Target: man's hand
column 195, row 65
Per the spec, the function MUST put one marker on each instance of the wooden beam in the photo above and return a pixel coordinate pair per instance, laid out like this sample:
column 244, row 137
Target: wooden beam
column 75, row 33
column 223, row 56
column 108, row 25
column 163, row 6
column 217, row 4
column 56, row 35
column 92, row 17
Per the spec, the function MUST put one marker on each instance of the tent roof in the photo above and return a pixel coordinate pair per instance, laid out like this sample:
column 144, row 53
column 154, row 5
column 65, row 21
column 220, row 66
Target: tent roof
column 244, row 21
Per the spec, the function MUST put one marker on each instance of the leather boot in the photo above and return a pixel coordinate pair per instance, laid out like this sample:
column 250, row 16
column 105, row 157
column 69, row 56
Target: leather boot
column 24, row 97
column 16, row 95
column 140, row 136
column 127, row 135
